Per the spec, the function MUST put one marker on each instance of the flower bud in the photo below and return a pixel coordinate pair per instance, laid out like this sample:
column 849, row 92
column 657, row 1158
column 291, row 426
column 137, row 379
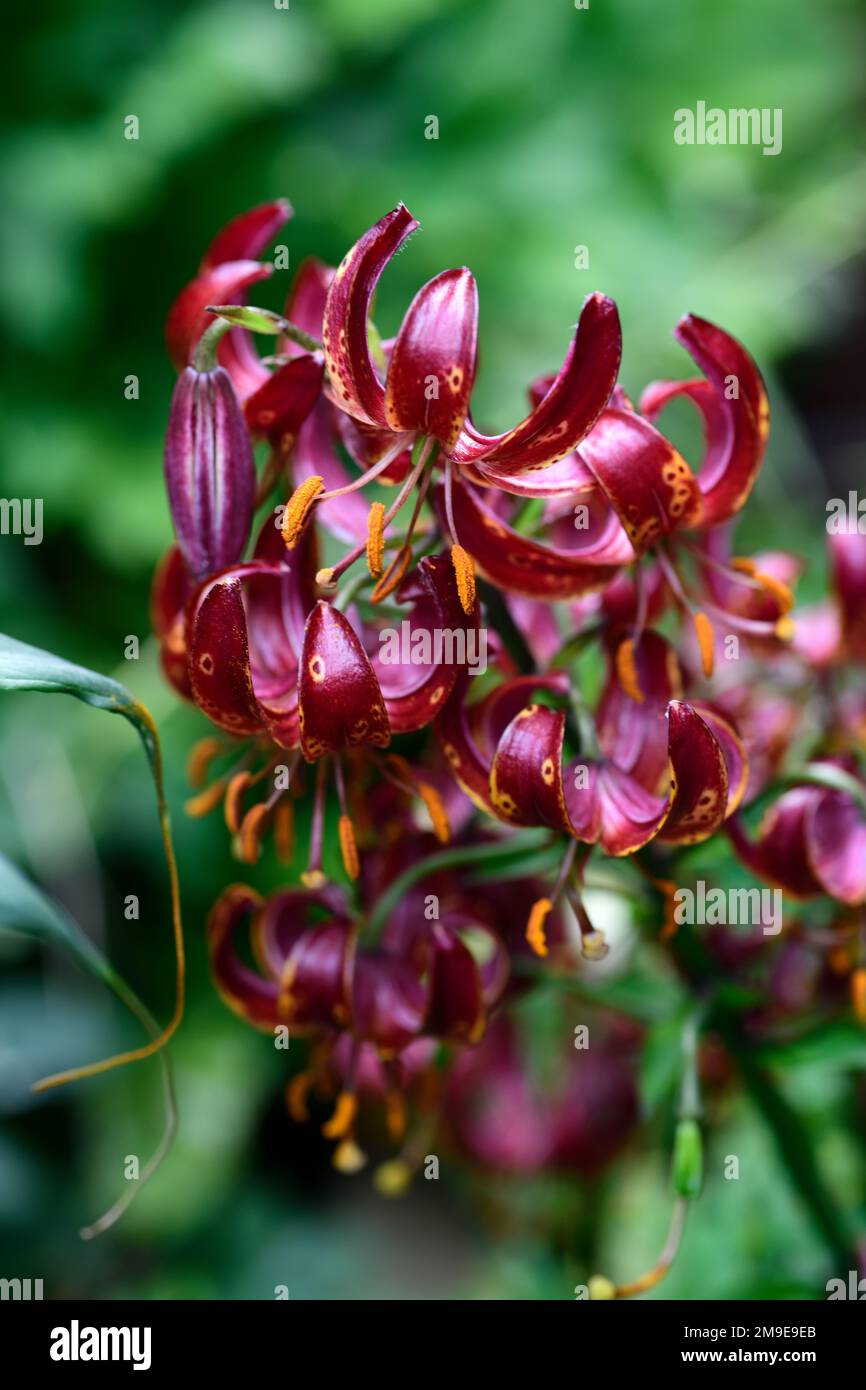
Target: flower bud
column 209, row 471
column 688, row 1160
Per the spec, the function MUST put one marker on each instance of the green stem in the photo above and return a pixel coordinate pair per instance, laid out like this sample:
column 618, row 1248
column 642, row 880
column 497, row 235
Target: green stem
column 205, row 356
column 525, row 843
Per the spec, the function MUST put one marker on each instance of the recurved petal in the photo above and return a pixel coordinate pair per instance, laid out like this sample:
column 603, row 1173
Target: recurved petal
column 848, row 563
column 526, row 776
column 457, row 1009
column 305, row 302
column 736, row 416
column 225, row 283
column 469, row 766
column 282, row 403
column 649, row 485
column 432, row 367
column 246, row 992
column 389, row 1000
column 570, row 408
column 340, row 703
column 733, row 752
column 779, row 852
column 418, row 658
column 170, row 591
column 247, row 235
column 629, row 815
column 835, row 833
column 219, row 657
column 523, row 566
column 634, row 734
column 351, row 370
column 568, row 476
column 699, row 778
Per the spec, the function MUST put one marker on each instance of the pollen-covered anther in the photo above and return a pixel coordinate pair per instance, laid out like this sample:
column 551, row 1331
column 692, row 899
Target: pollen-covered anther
column 340, row 1124
column 298, row 507
column 325, row 577
column 249, row 838
column 313, row 879
column 376, row 539
column 204, row 803
column 626, row 671
column 296, row 1096
column 464, row 573
column 858, row 993
column 200, row 758
column 785, row 628
column 234, row 798
column 777, row 590
column 348, row 1157
column 395, row 1115
column 393, row 1178
column 284, row 830
column 436, row 811
column 706, row 643
column 593, row 946
column 349, row 847
column 535, row 933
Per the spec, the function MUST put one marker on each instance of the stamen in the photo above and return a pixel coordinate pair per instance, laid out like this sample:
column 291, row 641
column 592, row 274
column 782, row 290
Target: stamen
column 284, row 830
column 393, row 1178
column 706, row 642
column 535, row 933
column 376, row 539
column 348, row 1157
column 250, row 833
column 784, row 629
column 234, row 800
column 395, row 1115
column 372, row 472
column 204, row 803
column 858, row 993
column 349, row 848
column 313, row 877
column 340, row 1124
column 436, row 811
column 393, row 575
column 626, row 671
column 298, row 507
column 778, row 589
column 464, row 573
column 201, row 756
column 296, row 1096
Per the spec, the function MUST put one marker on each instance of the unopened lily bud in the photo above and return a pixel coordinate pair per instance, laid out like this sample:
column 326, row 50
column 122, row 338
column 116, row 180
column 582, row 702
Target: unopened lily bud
column 688, row 1160
column 209, row 471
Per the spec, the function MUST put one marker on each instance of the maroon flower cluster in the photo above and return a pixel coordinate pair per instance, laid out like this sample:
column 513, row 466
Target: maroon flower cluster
column 568, row 612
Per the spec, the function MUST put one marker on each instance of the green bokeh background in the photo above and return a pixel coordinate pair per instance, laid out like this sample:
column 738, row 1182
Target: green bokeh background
column 555, row 130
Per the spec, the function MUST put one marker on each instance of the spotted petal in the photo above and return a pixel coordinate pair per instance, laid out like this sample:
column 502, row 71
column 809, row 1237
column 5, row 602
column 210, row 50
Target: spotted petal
column 432, row 367
column 341, row 703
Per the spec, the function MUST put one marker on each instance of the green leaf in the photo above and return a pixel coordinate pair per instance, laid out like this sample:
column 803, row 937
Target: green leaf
column 28, row 668
column 26, row 910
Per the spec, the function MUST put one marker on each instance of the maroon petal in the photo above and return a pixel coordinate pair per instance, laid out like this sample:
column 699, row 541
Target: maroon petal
column 848, row 562
column 736, row 426
column 316, row 455
column 835, row 835
column 469, row 767
column 340, row 702
column 571, row 406
column 209, row 471
column 246, row 236
column 629, row 815
column 305, row 302
column 649, row 485
column 526, row 776
column 350, row 366
column 171, row 588
column 563, row 479
column 522, row 566
column 779, row 853
column 432, row 367
column 457, row 1010
column 438, row 639
column 188, row 318
column 280, row 406
column 634, row 734
column 699, row 778
column 219, row 657
column 242, row 989
column 389, row 1001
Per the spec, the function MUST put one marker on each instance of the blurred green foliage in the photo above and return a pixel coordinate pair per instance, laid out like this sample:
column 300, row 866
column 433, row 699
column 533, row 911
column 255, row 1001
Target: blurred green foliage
column 555, row 130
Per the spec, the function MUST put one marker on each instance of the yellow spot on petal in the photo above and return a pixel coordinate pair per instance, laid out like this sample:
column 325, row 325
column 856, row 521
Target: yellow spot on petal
column 297, row 508
column 376, row 539
column 626, row 671
column 535, row 933
column 706, row 642
column 316, row 668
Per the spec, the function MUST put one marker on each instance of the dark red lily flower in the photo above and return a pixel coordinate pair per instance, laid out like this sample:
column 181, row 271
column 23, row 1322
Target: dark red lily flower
column 315, row 975
column 834, row 632
column 579, row 1126
column 811, row 841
